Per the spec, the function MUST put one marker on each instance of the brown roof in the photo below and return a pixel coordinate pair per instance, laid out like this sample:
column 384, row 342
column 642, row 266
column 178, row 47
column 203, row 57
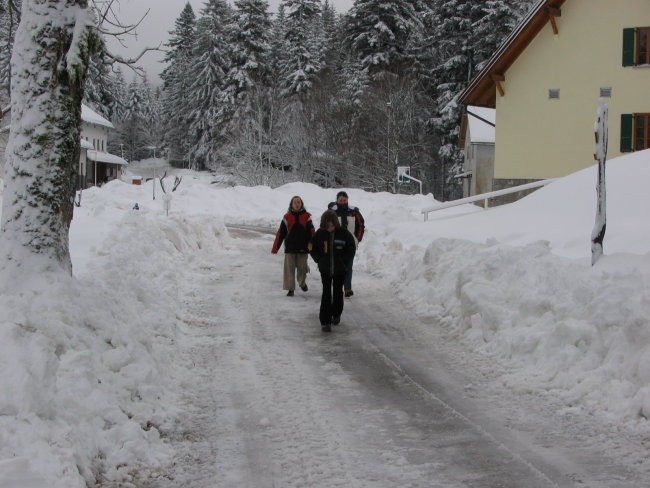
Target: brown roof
column 482, row 90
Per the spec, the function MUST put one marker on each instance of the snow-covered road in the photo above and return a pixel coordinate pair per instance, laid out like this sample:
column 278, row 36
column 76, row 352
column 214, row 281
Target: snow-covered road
column 274, row 402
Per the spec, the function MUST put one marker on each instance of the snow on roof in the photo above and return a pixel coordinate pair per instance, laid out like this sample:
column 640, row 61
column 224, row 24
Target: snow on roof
column 85, row 144
column 91, row 117
column 104, row 157
column 481, row 131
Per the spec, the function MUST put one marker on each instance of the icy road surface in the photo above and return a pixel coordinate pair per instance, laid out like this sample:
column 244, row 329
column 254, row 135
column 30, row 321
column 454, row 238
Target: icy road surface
column 271, row 401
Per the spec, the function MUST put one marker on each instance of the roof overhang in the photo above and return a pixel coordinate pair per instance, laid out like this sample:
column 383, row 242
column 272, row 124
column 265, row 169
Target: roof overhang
column 483, row 88
column 104, row 157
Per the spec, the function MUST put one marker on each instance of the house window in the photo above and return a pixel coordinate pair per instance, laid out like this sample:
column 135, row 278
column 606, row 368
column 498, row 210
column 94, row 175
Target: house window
column 641, row 125
column 636, row 46
column 554, row 93
column 606, row 91
column 635, row 132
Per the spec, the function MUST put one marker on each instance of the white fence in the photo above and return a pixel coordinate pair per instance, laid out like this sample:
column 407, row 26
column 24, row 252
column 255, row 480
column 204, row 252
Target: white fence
column 485, row 196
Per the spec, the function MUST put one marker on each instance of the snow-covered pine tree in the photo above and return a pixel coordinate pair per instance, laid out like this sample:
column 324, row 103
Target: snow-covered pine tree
column 56, row 39
column 211, row 62
column 454, row 45
column 378, row 33
column 278, row 42
column 246, row 93
column 250, row 49
column 133, row 130
column 100, row 87
column 465, row 34
column 119, row 92
column 277, row 63
column 304, row 56
column 496, row 20
column 176, row 83
column 330, row 24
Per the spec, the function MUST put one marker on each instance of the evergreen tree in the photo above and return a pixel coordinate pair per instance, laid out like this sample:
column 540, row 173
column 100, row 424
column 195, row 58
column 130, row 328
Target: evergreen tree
column 303, row 35
column 208, row 117
column 119, row 101
column 132, row 129
column 455, row 20
column 176, row 84
column 246, row 101
column 250, row 51
column 467, row 34
column 278, row 43
column 99, row 90
column 378, row 34
column 496, row 20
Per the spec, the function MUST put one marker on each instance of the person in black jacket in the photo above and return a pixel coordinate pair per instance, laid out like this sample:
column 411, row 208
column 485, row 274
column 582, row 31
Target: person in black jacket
column 296, row 230
column 331, row 247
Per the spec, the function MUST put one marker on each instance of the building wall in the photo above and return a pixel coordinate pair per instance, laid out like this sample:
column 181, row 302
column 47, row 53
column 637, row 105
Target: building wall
column 482, row 177
column 479, row 159
column 502, row 184
column 538, row 138
column 96, row 135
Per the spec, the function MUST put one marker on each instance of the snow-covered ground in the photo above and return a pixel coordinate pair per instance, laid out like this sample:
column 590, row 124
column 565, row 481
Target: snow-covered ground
column 91, row 366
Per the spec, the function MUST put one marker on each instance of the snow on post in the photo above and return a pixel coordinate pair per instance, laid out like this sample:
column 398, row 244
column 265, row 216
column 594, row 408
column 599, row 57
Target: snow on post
column 600, row 154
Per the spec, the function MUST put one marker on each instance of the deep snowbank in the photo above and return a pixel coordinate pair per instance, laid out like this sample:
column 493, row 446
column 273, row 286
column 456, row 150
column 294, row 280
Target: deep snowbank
column 85, row 362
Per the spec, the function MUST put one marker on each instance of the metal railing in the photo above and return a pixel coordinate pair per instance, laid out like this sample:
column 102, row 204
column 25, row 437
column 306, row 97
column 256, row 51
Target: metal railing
column 485, row 196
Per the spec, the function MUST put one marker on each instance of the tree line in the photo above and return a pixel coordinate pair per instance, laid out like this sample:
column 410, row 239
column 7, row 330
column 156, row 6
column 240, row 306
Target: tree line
column 306, row 94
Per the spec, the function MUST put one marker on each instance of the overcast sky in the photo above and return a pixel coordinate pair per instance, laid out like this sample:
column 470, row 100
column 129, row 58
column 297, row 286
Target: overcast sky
column 155, row 28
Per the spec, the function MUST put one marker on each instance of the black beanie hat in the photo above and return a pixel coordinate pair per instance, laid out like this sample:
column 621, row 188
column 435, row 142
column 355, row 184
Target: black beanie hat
column 341, row 194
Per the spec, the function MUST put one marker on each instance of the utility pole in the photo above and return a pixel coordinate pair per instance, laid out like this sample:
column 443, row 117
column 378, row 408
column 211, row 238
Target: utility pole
column 388, row 168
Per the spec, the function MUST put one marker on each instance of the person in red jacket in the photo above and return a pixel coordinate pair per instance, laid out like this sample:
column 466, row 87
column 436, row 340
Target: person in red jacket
column 296, row 230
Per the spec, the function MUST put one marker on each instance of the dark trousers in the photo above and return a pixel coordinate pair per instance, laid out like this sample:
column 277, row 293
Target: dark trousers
column 347, row 284
column 331, row 302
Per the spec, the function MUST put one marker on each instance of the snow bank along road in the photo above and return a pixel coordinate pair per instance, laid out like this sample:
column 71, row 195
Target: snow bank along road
column 271, row 401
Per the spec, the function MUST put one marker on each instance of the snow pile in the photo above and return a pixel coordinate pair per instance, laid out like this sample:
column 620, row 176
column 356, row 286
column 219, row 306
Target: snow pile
column 515, row 282
column 85, row 360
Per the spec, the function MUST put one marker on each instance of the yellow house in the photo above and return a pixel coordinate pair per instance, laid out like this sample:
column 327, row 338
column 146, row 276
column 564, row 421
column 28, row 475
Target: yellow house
column 547, row 77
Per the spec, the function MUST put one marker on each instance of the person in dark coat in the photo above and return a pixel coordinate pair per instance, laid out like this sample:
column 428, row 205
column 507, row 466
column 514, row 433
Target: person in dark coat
column 351, row 219
column 331, row 247
column 296, row 230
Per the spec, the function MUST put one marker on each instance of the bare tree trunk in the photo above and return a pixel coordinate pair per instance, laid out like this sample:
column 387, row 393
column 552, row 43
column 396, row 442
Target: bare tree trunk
column 49, row 64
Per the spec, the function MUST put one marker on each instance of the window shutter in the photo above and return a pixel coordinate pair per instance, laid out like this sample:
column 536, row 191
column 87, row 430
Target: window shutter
column 628, row 46
column 626, row 132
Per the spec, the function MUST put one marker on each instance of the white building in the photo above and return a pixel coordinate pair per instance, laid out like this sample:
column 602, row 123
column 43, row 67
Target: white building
column 477, row 140
column 96, row 164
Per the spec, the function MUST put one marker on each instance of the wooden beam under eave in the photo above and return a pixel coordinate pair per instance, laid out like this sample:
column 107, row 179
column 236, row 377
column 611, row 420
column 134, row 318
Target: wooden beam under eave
column 553, row 12
column 499, row 88
column 498, row 78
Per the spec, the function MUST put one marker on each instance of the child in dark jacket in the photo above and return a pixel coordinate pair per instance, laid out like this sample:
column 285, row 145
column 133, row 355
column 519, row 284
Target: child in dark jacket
column 332, row 247
column 296, row 230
